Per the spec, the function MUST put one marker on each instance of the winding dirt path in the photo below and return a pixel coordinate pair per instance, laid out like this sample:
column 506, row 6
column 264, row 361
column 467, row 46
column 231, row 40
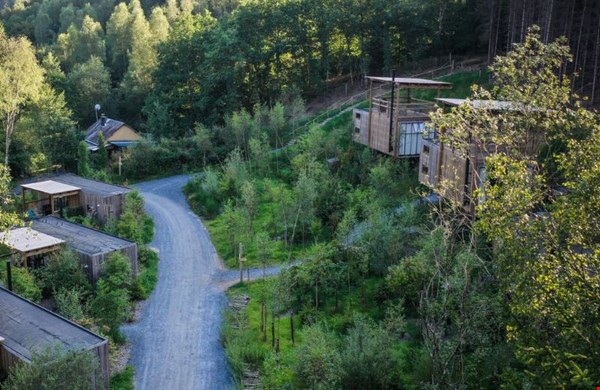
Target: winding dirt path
column 176, row 343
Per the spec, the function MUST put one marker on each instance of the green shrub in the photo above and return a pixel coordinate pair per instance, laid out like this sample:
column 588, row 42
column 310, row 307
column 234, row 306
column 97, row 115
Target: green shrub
column 123, row 380
column 55, row 368
column 148, row 277
column 63, row 271
column 25, row 284
column 366, row 356
column 69, row 303
column 319, row 364
column 112, row 304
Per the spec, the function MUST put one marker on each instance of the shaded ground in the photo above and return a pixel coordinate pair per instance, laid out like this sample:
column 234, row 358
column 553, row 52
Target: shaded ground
column 176, row 342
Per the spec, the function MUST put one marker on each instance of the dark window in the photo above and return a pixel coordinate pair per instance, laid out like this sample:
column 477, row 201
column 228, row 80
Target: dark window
column 356, row 129
column 425, row 169
column 425, row 149
column 358, row 115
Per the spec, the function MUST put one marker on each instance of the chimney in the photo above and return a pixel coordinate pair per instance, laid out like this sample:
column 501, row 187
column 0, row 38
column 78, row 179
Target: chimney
column 103, row 120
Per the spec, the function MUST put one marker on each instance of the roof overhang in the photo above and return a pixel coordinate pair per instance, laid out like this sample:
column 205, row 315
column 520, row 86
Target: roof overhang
column 408, row 82
column 123, row 144
column 51, row 187
column 29, row 242
column 491, row 105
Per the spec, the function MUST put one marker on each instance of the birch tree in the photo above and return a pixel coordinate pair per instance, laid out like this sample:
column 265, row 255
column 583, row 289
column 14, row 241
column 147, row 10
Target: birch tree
column 21, row 79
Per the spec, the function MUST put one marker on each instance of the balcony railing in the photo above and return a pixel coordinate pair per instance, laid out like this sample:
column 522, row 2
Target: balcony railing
column 405, row 107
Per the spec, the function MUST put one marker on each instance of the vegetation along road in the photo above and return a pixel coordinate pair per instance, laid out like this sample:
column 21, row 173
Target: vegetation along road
column 175, row 343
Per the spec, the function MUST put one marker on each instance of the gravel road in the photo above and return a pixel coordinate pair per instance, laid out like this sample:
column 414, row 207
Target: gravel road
column 175, row 343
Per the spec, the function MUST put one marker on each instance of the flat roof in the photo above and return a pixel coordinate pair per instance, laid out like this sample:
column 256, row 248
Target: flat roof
column 495, row 105
column 51, row 187
column 408, row 82
column 92, row 186
column 27, row 327
column 80, row 238
column 26, row 240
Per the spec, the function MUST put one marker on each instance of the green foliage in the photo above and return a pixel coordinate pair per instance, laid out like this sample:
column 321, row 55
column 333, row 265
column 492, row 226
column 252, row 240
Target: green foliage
column 134, row 224
column 83, row 162
column 319, row 363
column 88, row 84
column 111, row 305
column 63, row 271
column 69, row 303
column 54, row 368
column 80, row 44
column 123, row 380
column 101, row 156
column 204, row 193
column 366, row 356
column 24, row 284
column 148, row 275
column 21, row 82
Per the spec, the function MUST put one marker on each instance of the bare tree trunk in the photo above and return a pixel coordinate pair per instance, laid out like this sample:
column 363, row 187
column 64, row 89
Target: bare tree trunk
column 8, row 131
column 292, row 329
column 596, row 64
column 548, row 22
column 577, row 50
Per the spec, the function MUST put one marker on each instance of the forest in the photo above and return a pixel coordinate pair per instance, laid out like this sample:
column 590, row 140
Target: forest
column 384, row 290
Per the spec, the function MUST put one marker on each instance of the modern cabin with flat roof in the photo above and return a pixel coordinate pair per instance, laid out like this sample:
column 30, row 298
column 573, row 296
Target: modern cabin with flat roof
column 26, row 328
column 32, row 247
column 456, row 174
column 395, row 121
column 92, row 246
column 50, row 196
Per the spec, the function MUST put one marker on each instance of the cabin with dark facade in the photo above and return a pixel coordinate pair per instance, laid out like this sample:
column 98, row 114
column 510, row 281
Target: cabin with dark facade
column 26, row 328
column 395, row 121
column 50, row 196
column 92, row 246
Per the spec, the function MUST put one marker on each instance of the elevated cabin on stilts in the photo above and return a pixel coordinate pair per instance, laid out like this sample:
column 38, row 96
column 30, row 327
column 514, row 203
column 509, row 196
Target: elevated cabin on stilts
column 395, row 121
column 454, row 168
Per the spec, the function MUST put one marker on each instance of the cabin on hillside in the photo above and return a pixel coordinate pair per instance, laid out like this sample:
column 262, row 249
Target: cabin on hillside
column 26, row 328
column 461, row 168
column 92, row 246
column 117, row 135
column 50, row 196
column 31, row 248
column 395, row 121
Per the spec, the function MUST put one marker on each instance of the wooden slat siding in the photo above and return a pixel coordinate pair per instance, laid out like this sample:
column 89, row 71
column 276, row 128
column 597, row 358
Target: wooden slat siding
column 101, row 352
column 92, row 265
column 104, row 208
column 362, row 123
column 8, row 358
column 429, row 160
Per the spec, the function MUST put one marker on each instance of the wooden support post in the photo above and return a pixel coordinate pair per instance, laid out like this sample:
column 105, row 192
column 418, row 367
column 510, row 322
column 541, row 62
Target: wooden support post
column 241, row 260
column 369, row 135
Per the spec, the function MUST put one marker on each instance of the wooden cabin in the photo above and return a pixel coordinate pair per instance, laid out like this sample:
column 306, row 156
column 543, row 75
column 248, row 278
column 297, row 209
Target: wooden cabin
column 26, row 328
column 92, row 246
column 31, row 248
column 463, row 171
column 95, row 199
column 117, row 135
column 395, row 121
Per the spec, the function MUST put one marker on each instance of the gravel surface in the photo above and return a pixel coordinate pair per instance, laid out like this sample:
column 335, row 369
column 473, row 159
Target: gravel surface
column 176, row 342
